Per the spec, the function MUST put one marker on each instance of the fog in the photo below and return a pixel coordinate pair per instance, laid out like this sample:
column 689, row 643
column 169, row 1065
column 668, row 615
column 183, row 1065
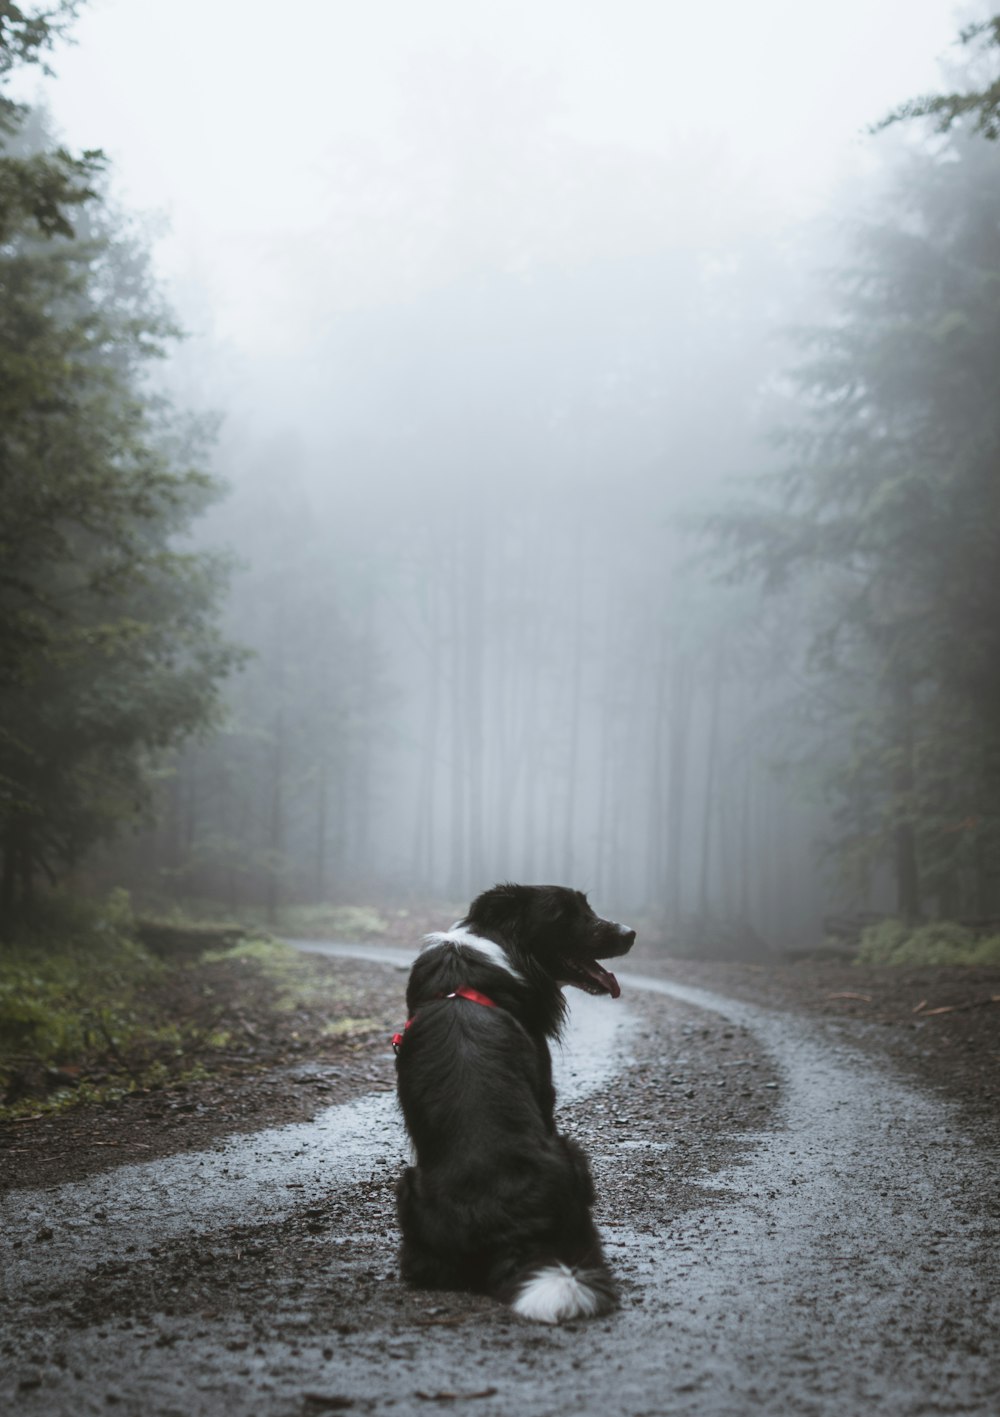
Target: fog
column 490, row 299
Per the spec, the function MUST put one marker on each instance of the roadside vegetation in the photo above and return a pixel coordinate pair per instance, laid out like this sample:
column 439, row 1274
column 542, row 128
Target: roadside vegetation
column 95, row 1004
column 940, row 942
column 322, row 921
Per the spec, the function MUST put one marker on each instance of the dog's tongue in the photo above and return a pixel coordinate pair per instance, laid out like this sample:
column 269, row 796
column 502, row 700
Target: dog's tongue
column 603, row 977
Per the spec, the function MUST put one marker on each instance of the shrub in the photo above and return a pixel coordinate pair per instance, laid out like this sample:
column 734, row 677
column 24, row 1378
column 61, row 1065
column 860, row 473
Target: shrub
column 940, row 942
column 70, row 979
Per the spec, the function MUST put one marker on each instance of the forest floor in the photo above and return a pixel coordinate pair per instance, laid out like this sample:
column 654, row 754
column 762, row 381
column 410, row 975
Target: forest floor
column 218, row 1244
column 940, row 1025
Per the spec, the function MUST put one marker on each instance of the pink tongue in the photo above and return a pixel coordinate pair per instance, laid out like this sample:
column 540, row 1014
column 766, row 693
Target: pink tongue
column 604, row 977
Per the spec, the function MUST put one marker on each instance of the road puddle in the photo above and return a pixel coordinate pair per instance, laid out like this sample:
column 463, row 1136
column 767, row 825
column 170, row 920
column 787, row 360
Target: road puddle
column 262, row 1176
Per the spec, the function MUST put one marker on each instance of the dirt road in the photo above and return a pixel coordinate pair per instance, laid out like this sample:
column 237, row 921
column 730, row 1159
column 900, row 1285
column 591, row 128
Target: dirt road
column 797, row 1229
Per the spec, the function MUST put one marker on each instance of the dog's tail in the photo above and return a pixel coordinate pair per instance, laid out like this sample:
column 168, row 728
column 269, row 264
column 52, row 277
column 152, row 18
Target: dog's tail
column 555, row 1293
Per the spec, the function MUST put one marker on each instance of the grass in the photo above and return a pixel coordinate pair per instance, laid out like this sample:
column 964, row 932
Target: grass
column 291, row 978
column 941, row 942
column 73, row 982
column 89, row 1014
column 331, row 922
column 323, row 921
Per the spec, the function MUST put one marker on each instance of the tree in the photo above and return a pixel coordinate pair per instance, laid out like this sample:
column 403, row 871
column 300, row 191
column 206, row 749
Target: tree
column 109, row 650
column 889, row 508
column 38, row 187
column 981, row 103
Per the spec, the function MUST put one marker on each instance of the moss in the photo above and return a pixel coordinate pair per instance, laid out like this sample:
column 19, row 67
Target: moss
column 332, row 922
column 941, row 942
column 293, row 977
column 347, row 1027
column 89, row 1014
column 72, row 981
column 306, row 922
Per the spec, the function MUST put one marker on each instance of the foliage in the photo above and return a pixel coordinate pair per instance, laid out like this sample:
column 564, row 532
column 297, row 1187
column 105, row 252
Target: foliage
column 87, row 1013
column 291, row 977
column 332, row 922
column 109, row 650
column 942, row 942
column 888, row 513
column 275, row 805
column 39, row 189
column 980, row 103
column 72, row 984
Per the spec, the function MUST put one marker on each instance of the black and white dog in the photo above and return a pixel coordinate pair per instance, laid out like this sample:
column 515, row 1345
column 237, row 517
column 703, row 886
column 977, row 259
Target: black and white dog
column 498, row 1201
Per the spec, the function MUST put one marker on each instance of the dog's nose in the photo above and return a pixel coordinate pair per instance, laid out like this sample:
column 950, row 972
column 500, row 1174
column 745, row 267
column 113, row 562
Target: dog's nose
column 626, row 933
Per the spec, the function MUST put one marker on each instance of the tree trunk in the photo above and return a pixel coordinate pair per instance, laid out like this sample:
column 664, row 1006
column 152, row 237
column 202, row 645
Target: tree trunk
column 903, row 782
column 711, row 772
column 322, row 788
column 424, row 822
column 474, row 638
column 680, row 712
column 275, row 834
column 8, row 879
column 746, row 818
column 365, row 751
column 572, row 766
column 654, row 810
column 457, row 873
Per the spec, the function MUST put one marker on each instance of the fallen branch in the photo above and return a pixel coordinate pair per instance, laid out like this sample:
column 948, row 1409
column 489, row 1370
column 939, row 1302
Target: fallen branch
column 961, row 1008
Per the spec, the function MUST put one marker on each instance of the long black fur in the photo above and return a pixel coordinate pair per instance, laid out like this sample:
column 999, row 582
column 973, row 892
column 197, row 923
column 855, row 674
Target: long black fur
column 497, row 1193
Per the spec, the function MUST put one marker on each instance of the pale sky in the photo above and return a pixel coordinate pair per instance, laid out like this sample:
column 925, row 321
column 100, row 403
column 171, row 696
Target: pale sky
column 315, row 158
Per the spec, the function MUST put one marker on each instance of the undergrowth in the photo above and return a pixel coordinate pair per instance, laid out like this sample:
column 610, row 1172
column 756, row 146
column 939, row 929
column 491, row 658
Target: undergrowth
column 71, row 983
column 292, row 979
column 331, row 922
column 941, row 942
column 87, row 1013
column 322, row 921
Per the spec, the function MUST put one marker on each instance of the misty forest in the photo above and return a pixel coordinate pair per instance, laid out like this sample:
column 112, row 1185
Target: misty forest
column 499, row 708
column 667, row 569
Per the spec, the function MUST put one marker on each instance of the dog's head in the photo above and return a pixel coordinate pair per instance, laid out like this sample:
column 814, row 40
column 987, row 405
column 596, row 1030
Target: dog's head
column 555, row 929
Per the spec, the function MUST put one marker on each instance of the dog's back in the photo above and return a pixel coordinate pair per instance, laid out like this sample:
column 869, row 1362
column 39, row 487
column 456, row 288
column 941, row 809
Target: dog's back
column 498, row 1201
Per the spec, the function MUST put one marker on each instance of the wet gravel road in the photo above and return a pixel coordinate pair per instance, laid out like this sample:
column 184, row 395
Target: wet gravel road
column 796, row 1229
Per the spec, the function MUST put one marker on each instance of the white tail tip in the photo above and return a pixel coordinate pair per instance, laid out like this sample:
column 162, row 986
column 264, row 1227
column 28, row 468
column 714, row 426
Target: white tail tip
column 555, row 1294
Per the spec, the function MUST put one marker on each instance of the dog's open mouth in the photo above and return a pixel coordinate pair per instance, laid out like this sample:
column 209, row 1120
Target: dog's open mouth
column 589, row 975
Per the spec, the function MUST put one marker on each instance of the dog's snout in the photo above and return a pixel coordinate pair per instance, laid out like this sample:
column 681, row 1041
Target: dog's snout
column 626, row 934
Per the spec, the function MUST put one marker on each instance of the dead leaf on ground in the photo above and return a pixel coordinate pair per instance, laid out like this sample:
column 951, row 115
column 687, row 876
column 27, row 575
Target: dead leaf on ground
column 846, row 994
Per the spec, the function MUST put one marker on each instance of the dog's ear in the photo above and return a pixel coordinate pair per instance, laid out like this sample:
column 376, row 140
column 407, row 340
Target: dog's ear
column 526, row 912
column 550, row 908
column 498, row 908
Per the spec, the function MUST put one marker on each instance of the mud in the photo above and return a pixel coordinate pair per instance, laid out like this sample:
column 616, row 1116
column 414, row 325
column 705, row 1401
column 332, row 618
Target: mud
column 797, row 1228
column 281, row 1067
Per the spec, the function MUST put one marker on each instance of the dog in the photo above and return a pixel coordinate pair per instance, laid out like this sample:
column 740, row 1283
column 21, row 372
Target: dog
column 499, row 1202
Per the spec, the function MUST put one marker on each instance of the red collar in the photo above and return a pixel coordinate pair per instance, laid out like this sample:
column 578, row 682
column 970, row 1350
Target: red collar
column 462, row 992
